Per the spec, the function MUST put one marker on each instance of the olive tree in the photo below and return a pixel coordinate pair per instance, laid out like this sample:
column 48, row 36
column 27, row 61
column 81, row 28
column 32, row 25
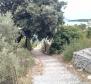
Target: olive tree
column 35, row 17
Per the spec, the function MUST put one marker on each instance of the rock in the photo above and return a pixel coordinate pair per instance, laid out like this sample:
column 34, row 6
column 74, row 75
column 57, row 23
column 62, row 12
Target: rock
column 82, row 59
column 88, row 68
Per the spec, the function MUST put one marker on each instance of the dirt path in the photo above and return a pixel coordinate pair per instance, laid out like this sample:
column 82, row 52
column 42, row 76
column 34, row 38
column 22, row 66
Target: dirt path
column 52, row 71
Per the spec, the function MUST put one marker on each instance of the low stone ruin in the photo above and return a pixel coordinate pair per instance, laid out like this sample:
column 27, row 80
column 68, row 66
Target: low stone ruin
column 82, row 59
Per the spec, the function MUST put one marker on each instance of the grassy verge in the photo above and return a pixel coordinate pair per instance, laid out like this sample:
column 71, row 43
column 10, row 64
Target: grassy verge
column 15, row 61
column 76, row 46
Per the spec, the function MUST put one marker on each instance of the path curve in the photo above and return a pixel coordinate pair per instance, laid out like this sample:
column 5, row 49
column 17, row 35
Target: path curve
column 54, row 72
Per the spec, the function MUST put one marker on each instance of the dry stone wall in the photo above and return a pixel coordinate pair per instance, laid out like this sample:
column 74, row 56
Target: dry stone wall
column 82, row 59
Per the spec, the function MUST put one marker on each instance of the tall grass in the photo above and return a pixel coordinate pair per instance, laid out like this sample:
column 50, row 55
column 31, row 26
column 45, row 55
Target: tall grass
column 76, row 46
column 14, row 60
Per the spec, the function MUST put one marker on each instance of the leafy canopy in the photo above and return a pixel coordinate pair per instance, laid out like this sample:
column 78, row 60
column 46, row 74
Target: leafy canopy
column 40, row 17
column 64, row 37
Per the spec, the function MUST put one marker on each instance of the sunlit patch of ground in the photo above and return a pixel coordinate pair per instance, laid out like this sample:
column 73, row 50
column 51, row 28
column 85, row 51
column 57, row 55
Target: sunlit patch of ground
column 38, row 67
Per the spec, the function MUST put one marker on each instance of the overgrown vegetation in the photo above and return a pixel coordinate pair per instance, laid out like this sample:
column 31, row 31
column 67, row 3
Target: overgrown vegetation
column 14, row 60
column 64, row 37
column 34, row 17
column 89, row 32
column 70, row 39
column 42, row 19
column 75, row 46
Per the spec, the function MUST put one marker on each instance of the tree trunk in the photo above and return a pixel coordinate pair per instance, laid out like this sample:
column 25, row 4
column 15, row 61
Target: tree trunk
column 28, row 44
column 44, row 46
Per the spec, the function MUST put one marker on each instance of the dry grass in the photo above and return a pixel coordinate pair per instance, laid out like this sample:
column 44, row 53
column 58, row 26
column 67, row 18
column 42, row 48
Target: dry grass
column 81, row 74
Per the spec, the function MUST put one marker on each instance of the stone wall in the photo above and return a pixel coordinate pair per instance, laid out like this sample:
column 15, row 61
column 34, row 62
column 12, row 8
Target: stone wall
column 82, row 59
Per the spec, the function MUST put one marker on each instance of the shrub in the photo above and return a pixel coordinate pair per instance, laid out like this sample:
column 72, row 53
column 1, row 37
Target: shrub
column 63, row 37
column 14, row 60
column 25, row 61
column 75, row 46
column 89, row 32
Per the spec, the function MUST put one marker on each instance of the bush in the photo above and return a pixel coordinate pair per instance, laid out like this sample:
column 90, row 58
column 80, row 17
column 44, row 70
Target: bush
column 14, row 62
column 75, row 46
column 63, row 37
column 25, row 61
column 14, row 59
column 89, row 32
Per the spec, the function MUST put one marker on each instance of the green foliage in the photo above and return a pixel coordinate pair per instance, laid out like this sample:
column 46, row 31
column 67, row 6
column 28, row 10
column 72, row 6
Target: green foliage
column 75, row 32
column 41, row 17
column 11, row 5
column 25, row 61
column 64, row 36
column 89, row 32
column 82, row 26
column 7, row 28
column 45, row 2
column 75, row 46
column 14, row 60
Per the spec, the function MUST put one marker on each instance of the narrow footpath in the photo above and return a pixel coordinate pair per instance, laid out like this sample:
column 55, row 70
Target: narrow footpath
column 53, row 72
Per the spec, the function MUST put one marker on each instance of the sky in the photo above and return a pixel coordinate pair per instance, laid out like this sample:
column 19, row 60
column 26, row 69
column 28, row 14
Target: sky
column 78, row 9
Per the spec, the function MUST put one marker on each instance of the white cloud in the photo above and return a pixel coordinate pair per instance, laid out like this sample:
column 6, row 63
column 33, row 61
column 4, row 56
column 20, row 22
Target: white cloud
column 78, row 9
